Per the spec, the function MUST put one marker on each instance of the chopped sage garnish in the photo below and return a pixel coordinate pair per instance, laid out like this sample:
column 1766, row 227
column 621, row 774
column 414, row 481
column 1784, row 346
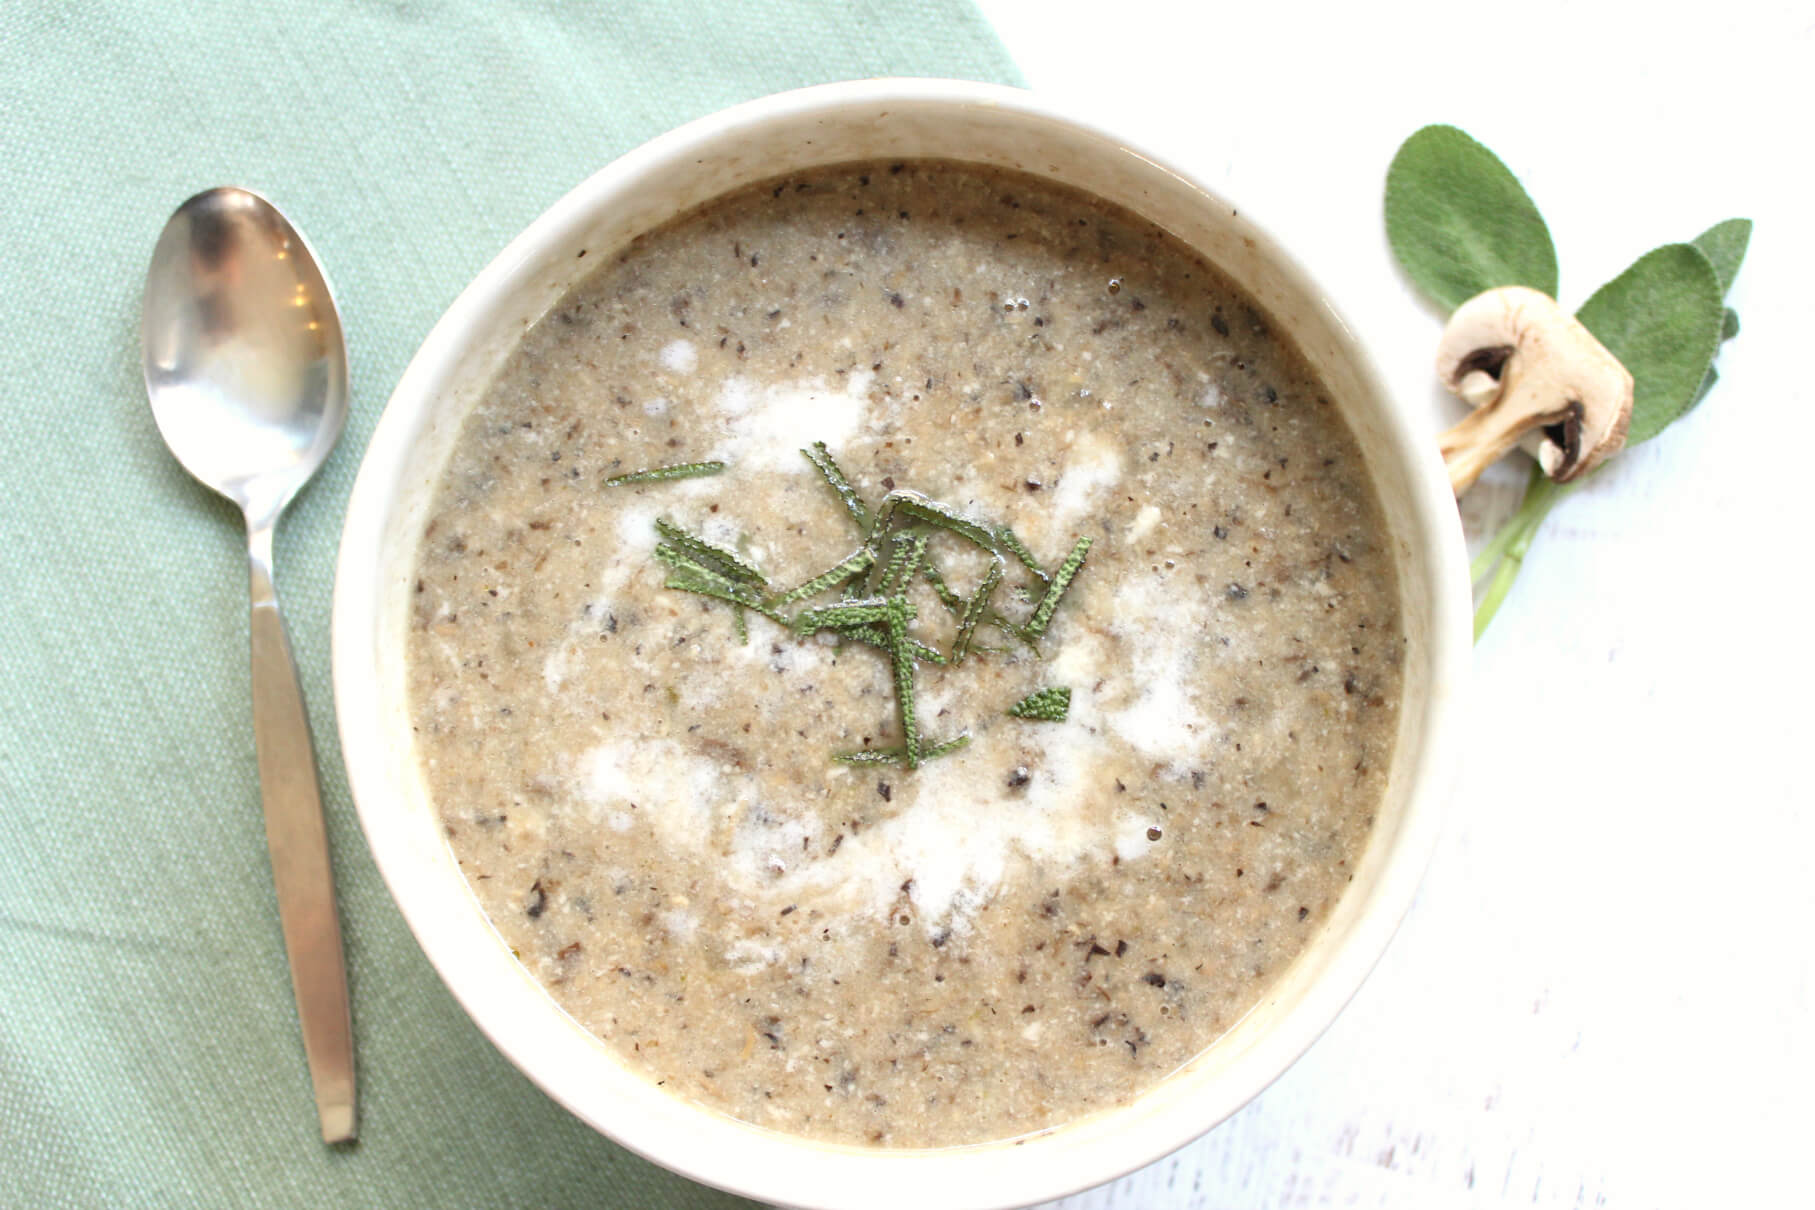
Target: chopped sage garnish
column 730, row 566
column 1046, row 705
column 662, row 474
column 931, row 511
column 875, row 582
column 1015, row 547
column 1061, row 580
column 862, row 612
column 829, row 579
column 689, row 575
column 878, row 636
column 941, row 589
column 899, row 613
column 992, row 618
column 910, row 549
column 719, row 590
column 973, row 610
column 896, row 756
column 835, row 479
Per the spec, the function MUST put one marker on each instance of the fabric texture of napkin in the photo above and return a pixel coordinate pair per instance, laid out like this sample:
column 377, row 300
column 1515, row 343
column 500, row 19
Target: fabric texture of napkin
column 149, row 1053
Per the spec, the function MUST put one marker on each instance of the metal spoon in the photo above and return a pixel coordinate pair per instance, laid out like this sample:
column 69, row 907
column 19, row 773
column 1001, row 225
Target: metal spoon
column 247, row 372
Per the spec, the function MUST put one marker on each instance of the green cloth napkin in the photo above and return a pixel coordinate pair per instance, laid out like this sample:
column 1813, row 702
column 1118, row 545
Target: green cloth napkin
column 149, row 1053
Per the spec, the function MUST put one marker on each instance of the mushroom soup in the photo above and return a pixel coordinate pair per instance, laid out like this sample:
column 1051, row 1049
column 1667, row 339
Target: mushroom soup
column 988, row 708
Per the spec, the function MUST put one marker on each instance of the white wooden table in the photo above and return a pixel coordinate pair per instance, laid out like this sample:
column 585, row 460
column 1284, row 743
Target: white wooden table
column 1602, row 996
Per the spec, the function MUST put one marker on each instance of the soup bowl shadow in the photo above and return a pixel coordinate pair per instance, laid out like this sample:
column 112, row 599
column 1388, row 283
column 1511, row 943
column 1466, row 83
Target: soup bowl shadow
column 388, row 509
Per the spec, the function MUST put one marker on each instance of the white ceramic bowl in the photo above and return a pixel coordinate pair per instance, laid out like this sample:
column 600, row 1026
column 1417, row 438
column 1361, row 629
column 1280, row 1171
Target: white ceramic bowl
column 843, row 122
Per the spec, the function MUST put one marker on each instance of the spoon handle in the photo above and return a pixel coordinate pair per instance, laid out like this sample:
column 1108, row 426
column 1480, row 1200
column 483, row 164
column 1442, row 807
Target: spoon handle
column 297, row 835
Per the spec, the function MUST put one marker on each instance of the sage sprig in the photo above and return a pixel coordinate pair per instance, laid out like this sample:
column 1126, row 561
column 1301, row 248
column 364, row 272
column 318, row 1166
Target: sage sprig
column 1460, row 224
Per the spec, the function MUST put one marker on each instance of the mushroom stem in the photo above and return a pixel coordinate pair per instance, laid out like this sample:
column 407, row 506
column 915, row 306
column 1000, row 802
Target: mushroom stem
column 1482, row 438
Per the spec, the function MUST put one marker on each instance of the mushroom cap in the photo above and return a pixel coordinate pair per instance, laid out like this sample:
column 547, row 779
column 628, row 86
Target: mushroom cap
column 1555, row 379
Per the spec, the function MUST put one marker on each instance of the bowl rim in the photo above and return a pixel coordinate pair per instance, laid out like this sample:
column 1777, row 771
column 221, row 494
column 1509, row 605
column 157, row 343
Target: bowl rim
column 1016, row 1175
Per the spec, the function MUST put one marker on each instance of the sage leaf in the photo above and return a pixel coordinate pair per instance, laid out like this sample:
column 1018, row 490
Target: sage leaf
column 1662, row 318
column 1460, row 222
column 1724, row 244
column 1729, row 325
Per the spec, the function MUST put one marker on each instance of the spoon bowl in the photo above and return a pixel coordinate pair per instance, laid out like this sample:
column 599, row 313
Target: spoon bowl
column 246, row 367
column 245, row 361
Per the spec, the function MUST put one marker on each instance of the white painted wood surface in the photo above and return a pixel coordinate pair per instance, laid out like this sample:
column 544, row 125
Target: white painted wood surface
column 1602, row 997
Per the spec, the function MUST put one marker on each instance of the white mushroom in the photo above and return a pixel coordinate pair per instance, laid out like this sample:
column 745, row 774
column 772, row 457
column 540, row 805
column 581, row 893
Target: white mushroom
column 1528, row 366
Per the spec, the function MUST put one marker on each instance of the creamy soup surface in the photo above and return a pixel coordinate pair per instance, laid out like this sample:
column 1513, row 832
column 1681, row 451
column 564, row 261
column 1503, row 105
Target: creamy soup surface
column 1034, row 926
